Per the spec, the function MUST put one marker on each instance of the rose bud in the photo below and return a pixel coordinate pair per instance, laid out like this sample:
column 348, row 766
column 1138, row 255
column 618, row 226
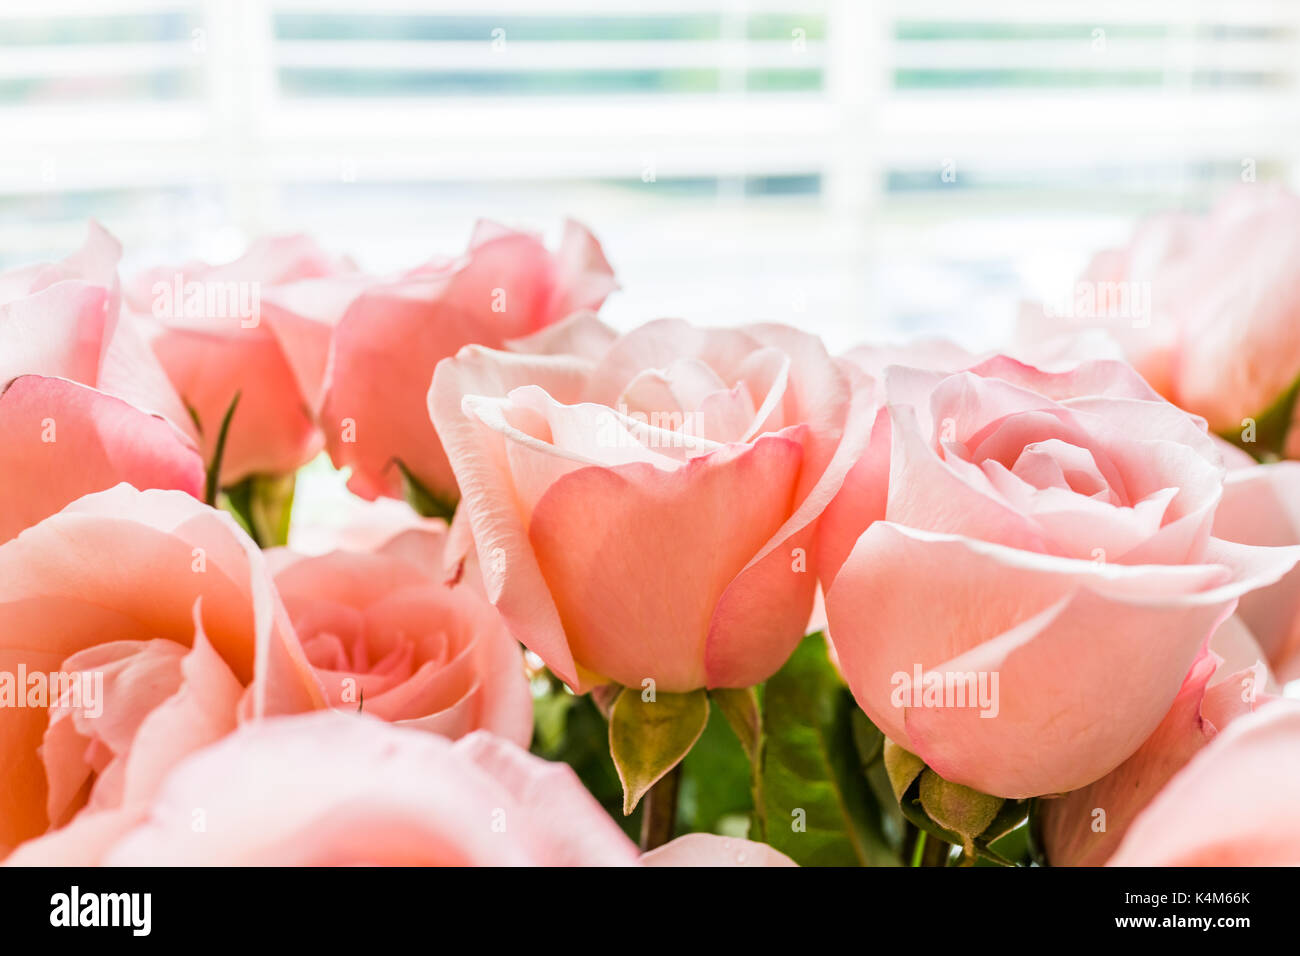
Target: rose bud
column 506, row 285
column 83, row 402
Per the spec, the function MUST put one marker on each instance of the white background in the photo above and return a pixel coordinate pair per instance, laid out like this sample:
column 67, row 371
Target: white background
column 797, row 149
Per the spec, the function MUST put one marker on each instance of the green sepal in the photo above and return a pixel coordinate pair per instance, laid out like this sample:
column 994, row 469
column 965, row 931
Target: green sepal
column 740, row 707
column 906, row 773
column 212, row 484
column 648, row 738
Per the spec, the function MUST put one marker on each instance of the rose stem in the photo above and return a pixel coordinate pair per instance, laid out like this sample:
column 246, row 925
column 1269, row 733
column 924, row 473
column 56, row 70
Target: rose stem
column 659, row 810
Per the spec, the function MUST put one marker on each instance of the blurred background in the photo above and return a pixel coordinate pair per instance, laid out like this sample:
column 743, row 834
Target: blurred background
column 860, row 168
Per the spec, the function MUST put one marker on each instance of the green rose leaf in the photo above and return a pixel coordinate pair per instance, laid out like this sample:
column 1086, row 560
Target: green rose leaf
column 816, row 804
column 647, row 738
column 868, row 738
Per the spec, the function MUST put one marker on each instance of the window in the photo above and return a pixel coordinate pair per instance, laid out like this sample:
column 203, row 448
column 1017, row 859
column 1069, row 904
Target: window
column 858, row 168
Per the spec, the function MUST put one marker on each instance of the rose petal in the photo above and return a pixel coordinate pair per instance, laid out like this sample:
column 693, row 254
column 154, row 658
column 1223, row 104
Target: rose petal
column 64, row 440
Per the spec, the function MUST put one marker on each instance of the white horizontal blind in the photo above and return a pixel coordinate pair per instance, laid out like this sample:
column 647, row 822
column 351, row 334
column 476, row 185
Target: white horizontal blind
column 174, row 119
column 625, row 90
column 1101, row 97
column 240, row 97
column 103, row 111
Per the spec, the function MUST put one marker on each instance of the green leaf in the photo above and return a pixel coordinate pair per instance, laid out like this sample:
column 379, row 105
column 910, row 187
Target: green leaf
column 892, row 822
column 213, row 484
column 868, row 738
column 871, row 743
column 424, row 501
column 647, row 738
column 817, row 806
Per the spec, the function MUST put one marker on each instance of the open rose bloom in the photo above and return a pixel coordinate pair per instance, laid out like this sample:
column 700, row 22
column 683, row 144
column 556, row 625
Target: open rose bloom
column 645, row 509
column 158, row 617
column 556, row 593
column 385, row 635
column 1052, row 532
column 335, row 790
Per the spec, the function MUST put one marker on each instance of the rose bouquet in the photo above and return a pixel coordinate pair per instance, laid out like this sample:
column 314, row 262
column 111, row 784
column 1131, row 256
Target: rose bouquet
column 677, row 595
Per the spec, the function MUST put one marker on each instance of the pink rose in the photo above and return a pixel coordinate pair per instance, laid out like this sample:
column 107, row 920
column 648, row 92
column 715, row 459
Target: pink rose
column 336, row 789
column 260, row 328
column 1207, row 308
column 1057, row 354
column 1234, row 804
column 707, row 849
column 77, row 389
column 65, row 319
column 862, row 500
column 1261, row 506
column 1084, row 827
column 1042, row 542
column 651, row 513
column 385, row 635
column 344, row 789
column 157, row 618
column 506, row 285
